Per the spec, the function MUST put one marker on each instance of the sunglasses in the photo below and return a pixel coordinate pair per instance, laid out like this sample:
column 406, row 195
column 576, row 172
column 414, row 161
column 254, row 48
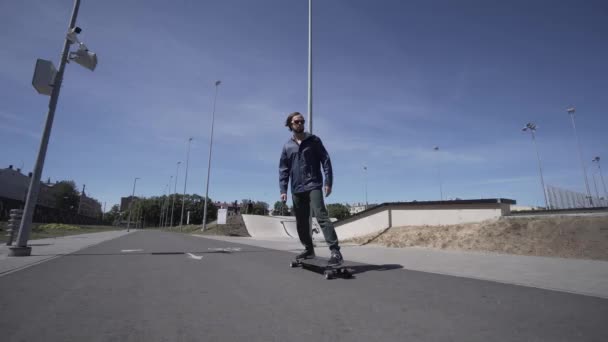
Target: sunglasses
column 297, row 122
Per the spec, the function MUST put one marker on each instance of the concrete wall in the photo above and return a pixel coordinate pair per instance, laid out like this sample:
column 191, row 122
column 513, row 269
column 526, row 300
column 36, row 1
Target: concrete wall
column 438, row 217
column 375, row 222
column 264, row 226
column 383, row 217
column 271, row 227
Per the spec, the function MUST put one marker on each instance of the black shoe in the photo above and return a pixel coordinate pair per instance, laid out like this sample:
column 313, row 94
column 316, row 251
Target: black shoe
column 335, row 259
column 307, row 254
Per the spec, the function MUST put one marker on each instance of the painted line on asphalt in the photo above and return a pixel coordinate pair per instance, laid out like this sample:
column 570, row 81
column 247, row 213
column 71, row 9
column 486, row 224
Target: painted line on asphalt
column 195, row 257
column 227, row 249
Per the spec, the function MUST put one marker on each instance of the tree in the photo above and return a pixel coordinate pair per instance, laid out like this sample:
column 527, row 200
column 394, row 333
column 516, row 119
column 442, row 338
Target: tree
column 112, row 216
column 280, row 208
column 66, row 196
column 337, row 210
column 260, row 208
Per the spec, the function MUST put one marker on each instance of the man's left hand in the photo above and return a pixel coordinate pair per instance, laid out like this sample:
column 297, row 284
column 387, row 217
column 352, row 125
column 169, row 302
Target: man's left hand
column 327, row 191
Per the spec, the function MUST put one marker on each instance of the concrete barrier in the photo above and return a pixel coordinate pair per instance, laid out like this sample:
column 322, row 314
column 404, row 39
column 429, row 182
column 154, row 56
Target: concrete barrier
column 386, row 215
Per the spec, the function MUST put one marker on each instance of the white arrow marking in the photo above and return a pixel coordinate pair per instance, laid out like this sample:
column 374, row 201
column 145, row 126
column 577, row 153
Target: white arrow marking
column 131, row 250
column 195, row 257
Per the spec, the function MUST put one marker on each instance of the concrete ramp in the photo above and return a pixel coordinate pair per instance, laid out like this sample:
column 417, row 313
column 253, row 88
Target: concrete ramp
column 277, row 227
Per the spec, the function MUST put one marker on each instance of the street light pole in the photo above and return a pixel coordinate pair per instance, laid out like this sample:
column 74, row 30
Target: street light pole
column 167, row 200
column 365, row 179
column 174, row 193
column 439, row 175
column 131, row 204
column 597, row 160
column 532, row 128
column 21, row 248
column 181, row 219
column 162, row 207
column 310, row 66
column 217, row 84
column 571, row 111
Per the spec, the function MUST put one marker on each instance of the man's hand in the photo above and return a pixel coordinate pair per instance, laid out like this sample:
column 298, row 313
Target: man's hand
column 327, row 191
column 283, row 198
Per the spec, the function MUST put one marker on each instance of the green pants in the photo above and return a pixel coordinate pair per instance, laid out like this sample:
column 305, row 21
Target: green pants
column 302, row 204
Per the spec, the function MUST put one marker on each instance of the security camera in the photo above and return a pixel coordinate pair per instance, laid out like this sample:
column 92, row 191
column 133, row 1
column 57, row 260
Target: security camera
column 84, row 57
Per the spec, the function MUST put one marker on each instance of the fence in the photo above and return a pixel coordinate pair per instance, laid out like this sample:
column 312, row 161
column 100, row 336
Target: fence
column 565, row 199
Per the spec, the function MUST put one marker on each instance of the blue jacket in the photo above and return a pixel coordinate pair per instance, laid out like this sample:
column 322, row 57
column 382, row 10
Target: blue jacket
column 302, row 163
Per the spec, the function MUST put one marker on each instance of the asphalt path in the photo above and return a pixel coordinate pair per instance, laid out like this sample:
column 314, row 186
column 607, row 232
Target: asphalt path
column 159, row 286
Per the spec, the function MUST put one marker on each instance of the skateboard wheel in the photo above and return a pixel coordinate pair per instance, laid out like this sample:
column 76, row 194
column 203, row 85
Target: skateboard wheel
column 292, row 264
column 327, row 274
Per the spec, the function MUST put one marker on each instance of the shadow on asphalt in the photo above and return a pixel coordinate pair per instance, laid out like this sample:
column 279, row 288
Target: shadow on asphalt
column 358, row 269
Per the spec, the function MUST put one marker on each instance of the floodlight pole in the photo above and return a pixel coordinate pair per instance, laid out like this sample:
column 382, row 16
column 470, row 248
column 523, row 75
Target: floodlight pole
column 310, row 89
column 21, row 248
column 181, row 218
column 174, row 194
column 571, row 111
column 131, row 203
column 217, row 84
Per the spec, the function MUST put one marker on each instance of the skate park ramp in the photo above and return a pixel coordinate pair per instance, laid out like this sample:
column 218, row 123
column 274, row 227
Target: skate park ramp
column 277, row 227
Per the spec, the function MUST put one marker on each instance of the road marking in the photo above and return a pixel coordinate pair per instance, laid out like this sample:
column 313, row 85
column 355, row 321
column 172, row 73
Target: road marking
column 131, row 250
column 228, row 249
column 195, row 257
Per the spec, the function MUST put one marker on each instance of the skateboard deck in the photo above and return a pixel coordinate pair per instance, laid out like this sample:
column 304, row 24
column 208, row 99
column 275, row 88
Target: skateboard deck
column 320, row 265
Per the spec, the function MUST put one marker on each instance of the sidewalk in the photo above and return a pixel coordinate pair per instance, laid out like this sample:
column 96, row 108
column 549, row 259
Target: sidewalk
column 50, row 248
column 586, row 277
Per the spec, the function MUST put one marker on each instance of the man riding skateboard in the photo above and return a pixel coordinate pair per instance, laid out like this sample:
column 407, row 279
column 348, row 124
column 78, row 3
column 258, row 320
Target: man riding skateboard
column 301, row 160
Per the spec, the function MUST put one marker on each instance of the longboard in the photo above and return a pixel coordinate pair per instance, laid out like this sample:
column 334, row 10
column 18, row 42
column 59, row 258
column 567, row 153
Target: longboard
column 320, row 265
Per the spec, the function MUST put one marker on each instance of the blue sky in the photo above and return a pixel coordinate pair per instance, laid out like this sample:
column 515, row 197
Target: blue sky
column 392, row 79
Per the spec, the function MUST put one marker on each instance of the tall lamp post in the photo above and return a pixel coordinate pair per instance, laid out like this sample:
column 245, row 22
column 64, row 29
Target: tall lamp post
column 131, row 203
column 217, row 84
column 310, row 66
column 599, row 169
column 571, row 111
column 181, row 219
column 365, row 182
column 436, row 149
column 47, row 81
column 174, row 193
column 531, row 127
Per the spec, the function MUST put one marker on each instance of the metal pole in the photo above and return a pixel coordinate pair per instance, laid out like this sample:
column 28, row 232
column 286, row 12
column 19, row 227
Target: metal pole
column 365, row 174
column 162, row 207
column 571, row 111
column 166, row 205
column 310, row 87
column 217, row 83
column 131, row 204
column 540, row 169
column 597, row 194
column 181, row 219
column 599, row 168
column 174, row 193
column 21, row 248
column 310, row 66
column 439, row 175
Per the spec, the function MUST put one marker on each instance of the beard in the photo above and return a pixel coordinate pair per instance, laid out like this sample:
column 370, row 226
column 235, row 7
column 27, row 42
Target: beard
column 299, row 129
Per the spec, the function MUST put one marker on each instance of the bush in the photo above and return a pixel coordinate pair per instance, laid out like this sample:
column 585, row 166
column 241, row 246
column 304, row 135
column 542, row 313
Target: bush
column 57, row 226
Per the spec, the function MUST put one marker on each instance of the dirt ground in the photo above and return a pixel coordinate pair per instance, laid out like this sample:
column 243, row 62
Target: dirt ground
column 581, row 237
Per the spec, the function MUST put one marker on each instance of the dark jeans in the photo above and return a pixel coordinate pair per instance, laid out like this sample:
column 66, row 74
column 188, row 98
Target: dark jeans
column 302, row 203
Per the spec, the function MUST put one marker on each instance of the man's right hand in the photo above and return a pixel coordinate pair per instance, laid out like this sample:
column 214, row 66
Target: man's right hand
column 283, row 198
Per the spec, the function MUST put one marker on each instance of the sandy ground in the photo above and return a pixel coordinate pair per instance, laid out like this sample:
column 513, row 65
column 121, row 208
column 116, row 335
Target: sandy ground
column 581, row 237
